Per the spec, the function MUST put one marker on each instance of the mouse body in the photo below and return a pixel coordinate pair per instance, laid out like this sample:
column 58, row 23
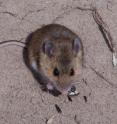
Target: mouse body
column 55, row 54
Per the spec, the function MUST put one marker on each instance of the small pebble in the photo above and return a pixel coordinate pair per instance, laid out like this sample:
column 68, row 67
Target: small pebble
column 73, row 89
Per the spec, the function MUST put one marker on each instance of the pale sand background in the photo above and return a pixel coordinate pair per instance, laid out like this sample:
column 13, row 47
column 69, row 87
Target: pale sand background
column 21, row 99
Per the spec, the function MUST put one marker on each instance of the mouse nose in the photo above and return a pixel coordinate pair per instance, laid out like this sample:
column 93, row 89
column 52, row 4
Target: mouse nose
column 64, row 88
column 64, row 91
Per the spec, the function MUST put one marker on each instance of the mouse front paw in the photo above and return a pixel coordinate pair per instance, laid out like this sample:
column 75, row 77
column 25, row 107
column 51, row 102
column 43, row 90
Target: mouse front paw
column 49, row 86
column 53, row 90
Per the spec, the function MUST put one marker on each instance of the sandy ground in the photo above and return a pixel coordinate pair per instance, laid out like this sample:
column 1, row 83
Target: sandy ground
column 21, row 99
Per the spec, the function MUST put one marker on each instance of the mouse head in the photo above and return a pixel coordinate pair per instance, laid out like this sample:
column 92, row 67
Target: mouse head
column 62, row 62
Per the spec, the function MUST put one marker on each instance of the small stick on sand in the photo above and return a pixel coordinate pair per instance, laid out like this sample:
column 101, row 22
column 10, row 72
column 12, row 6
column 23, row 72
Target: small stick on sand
column 104, row 29
column 58, row 108
column 50, row 120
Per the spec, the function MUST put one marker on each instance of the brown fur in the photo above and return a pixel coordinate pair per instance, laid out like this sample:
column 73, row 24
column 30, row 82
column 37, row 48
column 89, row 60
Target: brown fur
column 63, row 58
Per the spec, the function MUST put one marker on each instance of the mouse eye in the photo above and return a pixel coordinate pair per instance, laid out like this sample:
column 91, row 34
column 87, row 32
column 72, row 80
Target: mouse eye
column 72, row 72
column 56, row 72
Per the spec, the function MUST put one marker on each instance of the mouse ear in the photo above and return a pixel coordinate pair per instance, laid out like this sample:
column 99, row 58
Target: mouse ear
column 48, row 48
column 76, row 45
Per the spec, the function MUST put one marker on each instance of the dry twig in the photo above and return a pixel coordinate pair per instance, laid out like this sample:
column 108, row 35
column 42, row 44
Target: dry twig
column 50, row 120
column 104, row 29
column 58, row 108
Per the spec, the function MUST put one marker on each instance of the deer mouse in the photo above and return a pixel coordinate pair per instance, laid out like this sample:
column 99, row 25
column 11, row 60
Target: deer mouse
column 55, row 53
